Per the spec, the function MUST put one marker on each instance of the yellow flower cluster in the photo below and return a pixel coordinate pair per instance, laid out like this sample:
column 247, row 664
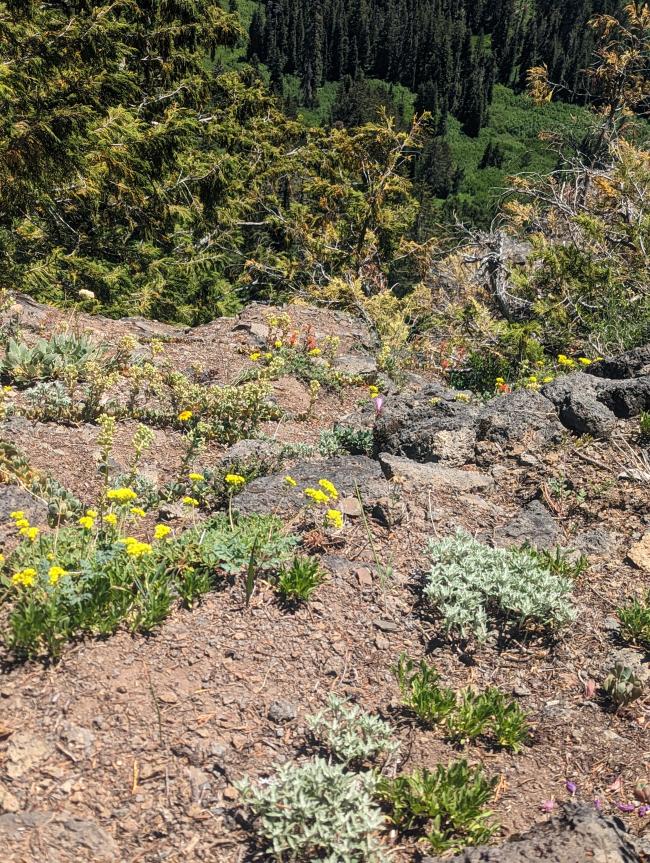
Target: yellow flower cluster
column 335, row 518
column 196, row 477
column 87, row 522
column 326, row 492
column 315, row 352
column 185, row 416
column 23, row 525
column 234, row 479
column 565, row 361
column 374, row 391
column 290, row 481
column 161, row 531
column 317, row 495
column 110, row 518
column 137, row 511
column 190, row 501
column 136, row 548
column 121, row 495
column 55, row 573
column 24, row 578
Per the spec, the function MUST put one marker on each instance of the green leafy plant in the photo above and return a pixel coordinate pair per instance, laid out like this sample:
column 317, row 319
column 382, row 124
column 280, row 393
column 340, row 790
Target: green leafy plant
column 90, row 578
column 317, row 811
column 421, row 691
column 445, row 804
column 49, row 359
column 635, row 621
column 341, row 439
column 558, row 562
column 349, row 733
column 467, row 715
column 622, row 686
column 488, row 715
column 297, row 582
column 644, row 425
column 472, row 585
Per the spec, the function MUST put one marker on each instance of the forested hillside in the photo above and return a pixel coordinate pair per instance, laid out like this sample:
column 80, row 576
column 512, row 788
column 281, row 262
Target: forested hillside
column 449, row 53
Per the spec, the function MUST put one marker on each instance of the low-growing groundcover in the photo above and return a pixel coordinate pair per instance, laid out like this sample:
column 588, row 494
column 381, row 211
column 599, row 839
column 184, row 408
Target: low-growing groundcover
column 474, row 587
column 91, row 578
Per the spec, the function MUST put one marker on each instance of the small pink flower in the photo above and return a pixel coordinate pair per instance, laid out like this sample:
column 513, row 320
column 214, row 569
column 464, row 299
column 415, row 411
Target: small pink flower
column 626, row 807
column 379, row 403
column 571, row 787
column 548, row 805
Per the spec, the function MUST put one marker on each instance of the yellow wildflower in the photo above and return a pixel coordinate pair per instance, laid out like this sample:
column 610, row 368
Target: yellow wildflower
column 161, row 531
column 290, row 481
column 22, row 522
column 137, row 510
column 500, row 381
column 190, row 501
column 315, row 352
column 25, row 577
column 111, row 518
column 86, row 522
column 374, row 391
column 255, row 356
column 335, row 518
column 317, row 495
column 329, row 488
column 277, row 343
column 584, row 361
column 121, row 495
column 548, row 379
column 30, row 532
column 55, row 573
column 184, row 416
column 2, row 559
column 235, row 479
column 197, row 477
column 563, row 360
column 137, row 548
column 91, row 513
column 17, row 513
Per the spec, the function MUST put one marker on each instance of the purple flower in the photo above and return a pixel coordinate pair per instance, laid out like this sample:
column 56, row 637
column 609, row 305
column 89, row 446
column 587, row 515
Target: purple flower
column 598, row 804
column 571, row 787
column 548, row 805
column 642, row 811
column 626, row 807
column 379, row 403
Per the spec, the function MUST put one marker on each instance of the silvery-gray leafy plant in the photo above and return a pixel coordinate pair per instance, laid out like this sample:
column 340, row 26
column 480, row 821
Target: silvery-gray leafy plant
column 351, row 734
column 473, row 586
column 317, row 811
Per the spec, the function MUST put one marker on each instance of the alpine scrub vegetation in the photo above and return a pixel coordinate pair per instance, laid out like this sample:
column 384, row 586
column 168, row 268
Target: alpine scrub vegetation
column 474, row 587
column 92, row 577
column 317, row 811
column 350, row 734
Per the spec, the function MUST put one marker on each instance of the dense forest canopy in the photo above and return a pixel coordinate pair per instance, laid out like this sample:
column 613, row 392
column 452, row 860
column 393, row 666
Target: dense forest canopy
column 145, row 160
column 451, row 52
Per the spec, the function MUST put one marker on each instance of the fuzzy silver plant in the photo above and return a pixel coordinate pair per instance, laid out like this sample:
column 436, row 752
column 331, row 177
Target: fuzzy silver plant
column 471, row 584
column 317, row 811
column 351, row 734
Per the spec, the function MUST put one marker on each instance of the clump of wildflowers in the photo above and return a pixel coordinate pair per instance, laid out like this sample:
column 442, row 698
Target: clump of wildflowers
column 121, row 495
column 235, row 480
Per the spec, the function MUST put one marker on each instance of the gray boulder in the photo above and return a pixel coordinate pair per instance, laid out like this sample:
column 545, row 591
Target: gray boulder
column 579, row 408
column 522, row 417
column 580, row 834
column 273, row 494
column 434, row 424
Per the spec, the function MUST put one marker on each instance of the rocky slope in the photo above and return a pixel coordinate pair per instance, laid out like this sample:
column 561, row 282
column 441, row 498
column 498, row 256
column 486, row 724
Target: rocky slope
column 128, row 748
